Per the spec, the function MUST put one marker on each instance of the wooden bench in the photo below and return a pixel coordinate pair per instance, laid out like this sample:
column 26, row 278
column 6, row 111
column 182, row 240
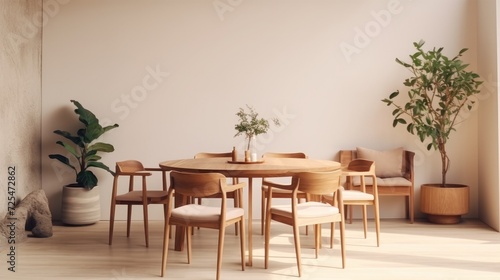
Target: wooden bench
column 388, row 186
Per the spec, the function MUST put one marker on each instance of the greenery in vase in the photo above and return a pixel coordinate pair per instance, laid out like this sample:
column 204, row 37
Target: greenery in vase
column 440, row 89
column 83, row 148
column 251, row 125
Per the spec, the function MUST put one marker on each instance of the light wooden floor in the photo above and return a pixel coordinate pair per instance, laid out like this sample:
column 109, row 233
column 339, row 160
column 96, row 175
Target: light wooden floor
column 469, row 250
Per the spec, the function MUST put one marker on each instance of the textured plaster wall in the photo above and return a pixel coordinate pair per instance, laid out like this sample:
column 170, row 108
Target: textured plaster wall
column 20, row 96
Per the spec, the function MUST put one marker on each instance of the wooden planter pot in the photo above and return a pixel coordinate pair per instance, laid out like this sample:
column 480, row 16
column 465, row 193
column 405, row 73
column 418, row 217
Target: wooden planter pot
column 80, row 206
column 444, row 205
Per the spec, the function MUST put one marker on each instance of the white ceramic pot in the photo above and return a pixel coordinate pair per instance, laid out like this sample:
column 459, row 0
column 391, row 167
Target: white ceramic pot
column 80, row 206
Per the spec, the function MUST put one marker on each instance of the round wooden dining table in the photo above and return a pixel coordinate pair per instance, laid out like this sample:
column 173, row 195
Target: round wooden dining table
column 269, row 167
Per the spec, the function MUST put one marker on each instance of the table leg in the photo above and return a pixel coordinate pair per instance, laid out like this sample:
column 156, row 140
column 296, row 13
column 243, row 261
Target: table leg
column 180, row 231
column 249, row 215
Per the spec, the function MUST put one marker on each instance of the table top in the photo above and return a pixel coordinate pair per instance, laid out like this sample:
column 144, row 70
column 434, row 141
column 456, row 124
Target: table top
column 270, row 167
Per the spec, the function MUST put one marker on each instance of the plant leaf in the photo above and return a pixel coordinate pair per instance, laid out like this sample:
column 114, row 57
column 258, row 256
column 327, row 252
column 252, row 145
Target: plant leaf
column 100, row 165
column 69, row 148
column 87, row 179
column 75, row 139
column 394, row 94
column 101, row 147
column 62, row 159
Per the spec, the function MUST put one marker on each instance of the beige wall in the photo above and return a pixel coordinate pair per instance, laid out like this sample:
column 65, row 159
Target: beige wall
column 174, row 73
column 489, row 194
column 20, row 95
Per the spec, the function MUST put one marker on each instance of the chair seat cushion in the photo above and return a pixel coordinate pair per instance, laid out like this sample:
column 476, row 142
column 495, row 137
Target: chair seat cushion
column 130, row 196
column 156, row 194
column 383, row 182
column 306, row 210
column 352, row 195
column 196, row 212
column 136, row 196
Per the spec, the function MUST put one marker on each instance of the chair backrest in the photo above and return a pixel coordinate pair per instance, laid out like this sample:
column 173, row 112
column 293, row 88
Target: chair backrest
column 346, row 156
column 284, row 155
column 216, row 155
column 128, row 166
column 362, row 165
column 212, row 155
column 196, row 184
column 318, row 183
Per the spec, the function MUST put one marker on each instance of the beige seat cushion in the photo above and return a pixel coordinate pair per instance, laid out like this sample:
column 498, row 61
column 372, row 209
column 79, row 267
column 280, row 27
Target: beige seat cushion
column 306, row 210
column 387, row 163
column 196, row 212
column 352, row 195
column 383, row 182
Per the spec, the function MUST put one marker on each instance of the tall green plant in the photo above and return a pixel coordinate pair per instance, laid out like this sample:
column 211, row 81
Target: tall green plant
column 439, row 90
column 83, row 148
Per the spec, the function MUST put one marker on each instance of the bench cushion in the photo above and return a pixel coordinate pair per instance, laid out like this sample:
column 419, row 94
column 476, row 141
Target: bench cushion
column 383, row 182
column 387, row 163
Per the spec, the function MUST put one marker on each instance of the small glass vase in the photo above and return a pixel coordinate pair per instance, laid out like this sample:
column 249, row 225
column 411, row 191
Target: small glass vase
column 251, row 150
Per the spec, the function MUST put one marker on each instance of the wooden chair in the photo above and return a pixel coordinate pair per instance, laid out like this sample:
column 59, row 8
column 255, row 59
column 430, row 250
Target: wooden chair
column 307, row 213
column 361, row 168
column 387, row 186
column 143, row 197
column 197, row 185
column 232, row 195
column 277, row 193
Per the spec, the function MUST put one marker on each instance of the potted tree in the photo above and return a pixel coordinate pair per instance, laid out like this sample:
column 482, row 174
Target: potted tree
column 80, row 200
column 251, row 125
column 440, row 89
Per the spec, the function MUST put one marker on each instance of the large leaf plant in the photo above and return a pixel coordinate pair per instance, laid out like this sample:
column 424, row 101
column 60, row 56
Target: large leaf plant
column 84, row 149
column 440, row 89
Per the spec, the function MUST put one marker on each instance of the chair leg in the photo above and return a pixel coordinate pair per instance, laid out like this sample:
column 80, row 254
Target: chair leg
column 320, row 241
column 165, row 213
column 296, row 238
column 129, row 216
column 349, row 210
column 199, row 203
column 332, row 234
column 188, row 241
column 266, row 239
column 242, row 242
column 410, row 210
column 317, row 239
column 111, row 224
column 307, row 227
column 146, row 227
column 377, row 222
column 220, row 250
column 365, row 220
column 342, row 242
column 166, row 237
